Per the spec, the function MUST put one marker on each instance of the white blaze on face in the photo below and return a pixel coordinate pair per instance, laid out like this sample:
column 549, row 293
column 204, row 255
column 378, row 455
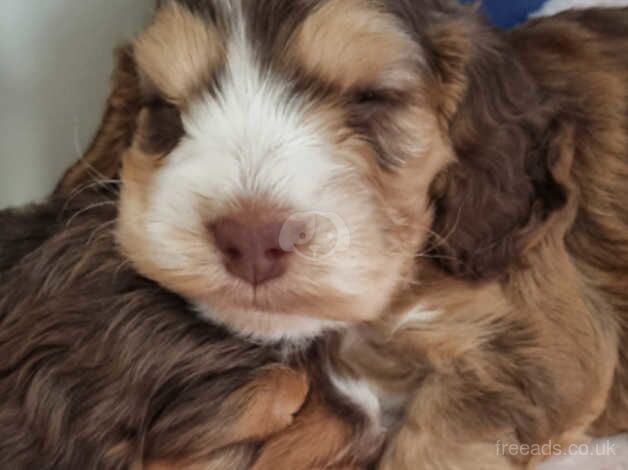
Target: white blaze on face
column 251, row 137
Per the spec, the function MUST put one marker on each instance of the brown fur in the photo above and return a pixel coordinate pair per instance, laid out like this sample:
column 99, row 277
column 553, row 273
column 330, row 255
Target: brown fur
column 527, row 295
column 370, row 53
column 596, row 242
column 178, row 53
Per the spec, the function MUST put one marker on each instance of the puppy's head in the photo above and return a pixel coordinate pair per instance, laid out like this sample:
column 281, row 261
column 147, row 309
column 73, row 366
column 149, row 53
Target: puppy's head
column 294, row 158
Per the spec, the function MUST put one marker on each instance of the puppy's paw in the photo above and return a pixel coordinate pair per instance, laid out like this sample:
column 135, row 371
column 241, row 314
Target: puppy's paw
column 279, row 394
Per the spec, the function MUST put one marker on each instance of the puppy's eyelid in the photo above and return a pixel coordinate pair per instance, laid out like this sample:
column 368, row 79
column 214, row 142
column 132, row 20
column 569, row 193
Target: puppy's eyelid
column 367, row 96
column 374, row 96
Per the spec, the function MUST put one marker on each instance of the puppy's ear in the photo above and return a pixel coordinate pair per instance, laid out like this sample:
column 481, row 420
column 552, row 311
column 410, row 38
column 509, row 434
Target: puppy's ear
column 500, row 188
column 103, row 157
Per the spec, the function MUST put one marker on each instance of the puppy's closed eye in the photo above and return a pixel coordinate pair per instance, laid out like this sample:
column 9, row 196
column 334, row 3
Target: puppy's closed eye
column 160, row 127
column 374, row 97
column 368, row 96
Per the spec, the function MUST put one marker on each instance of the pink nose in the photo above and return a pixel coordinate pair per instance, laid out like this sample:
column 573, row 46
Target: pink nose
column 251, row 252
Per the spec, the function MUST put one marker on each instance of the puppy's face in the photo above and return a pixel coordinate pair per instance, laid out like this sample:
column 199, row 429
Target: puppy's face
column 280, row 174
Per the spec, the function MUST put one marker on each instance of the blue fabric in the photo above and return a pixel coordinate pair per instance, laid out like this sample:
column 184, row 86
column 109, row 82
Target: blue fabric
column 508, row 13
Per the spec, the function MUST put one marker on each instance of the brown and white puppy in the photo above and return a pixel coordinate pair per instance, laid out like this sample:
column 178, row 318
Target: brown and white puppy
column 300, row 166
column 272, row 134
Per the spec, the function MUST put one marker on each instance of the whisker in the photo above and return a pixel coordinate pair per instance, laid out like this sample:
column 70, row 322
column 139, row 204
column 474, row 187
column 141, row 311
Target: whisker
column 101, row 230
column 88, row 208
column 81, row 189
column 122, row 266
column 80, row 153
column 444, row 239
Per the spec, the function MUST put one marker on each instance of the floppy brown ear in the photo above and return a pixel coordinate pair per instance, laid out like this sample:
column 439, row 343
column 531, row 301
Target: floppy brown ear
column 500, row 189
column 103, row 157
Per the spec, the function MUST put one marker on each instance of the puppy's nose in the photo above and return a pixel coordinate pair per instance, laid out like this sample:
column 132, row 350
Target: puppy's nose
column 251, row 252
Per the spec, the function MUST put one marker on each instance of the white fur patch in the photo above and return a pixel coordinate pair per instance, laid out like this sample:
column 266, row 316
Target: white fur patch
column 553, row 7
column 360, row 393
column 417, row 316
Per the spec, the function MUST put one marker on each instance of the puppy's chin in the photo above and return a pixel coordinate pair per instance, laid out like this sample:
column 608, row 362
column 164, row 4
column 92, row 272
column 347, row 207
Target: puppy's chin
column 269, row 328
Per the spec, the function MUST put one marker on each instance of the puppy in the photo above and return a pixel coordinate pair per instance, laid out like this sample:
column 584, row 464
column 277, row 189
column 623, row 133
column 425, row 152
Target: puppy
column 451, row 198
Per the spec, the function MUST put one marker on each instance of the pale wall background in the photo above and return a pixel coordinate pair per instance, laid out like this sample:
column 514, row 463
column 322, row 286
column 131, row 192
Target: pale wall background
column 55, row 61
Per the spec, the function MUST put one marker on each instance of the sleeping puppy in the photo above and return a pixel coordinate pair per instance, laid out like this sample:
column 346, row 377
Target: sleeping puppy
column 452, row 199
